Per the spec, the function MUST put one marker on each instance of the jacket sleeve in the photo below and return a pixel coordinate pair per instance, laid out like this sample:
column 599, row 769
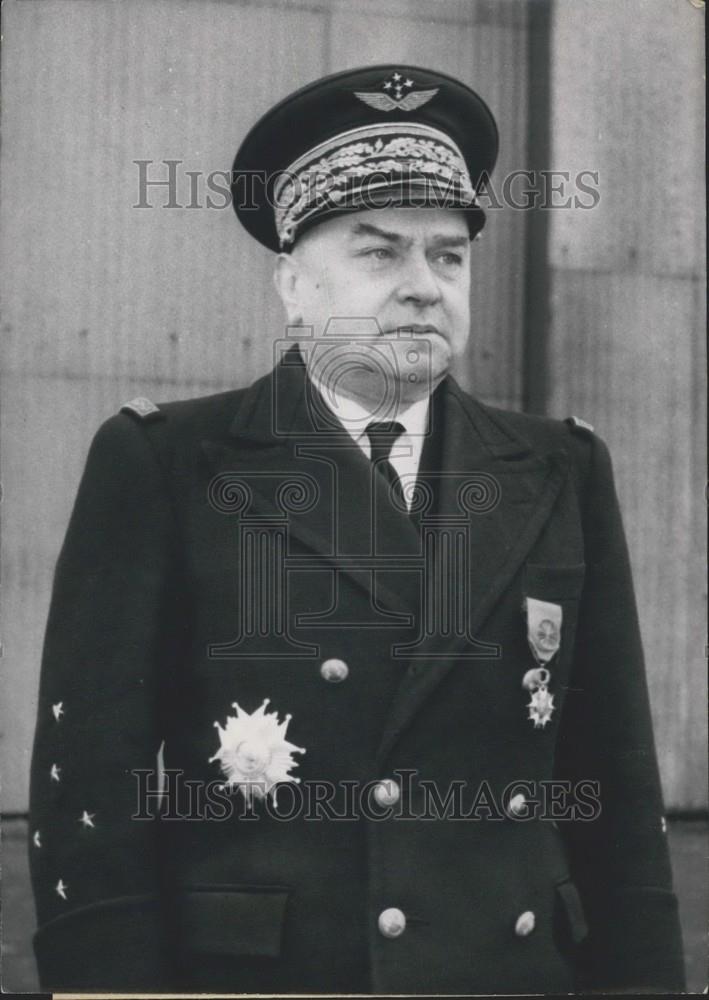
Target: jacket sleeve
column 95, row 870
column 620, row 858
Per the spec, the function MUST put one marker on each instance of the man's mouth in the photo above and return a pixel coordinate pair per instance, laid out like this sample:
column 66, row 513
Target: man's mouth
column 417, row 328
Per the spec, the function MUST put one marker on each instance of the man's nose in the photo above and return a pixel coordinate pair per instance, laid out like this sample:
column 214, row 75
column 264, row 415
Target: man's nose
column 419, row 283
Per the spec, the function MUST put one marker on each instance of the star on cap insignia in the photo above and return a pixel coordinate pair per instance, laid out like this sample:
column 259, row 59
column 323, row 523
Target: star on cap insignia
column 396, row 92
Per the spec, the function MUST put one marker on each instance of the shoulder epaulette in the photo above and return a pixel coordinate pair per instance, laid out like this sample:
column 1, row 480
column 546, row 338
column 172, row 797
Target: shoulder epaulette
column 143, row 408
column 576, row 423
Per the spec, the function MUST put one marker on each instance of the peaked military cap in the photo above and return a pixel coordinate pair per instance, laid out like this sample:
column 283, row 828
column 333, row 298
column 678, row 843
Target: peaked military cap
column 378, row 136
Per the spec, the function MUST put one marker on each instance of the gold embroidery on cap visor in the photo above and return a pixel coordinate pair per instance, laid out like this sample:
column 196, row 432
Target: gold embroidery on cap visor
column 350, row 169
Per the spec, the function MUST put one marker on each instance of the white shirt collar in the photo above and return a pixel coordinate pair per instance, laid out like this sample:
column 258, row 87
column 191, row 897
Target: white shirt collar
column 355, row 418
column 405, row 454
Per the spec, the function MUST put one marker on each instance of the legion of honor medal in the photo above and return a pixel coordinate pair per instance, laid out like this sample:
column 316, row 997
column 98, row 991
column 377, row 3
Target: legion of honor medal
column 544, row 637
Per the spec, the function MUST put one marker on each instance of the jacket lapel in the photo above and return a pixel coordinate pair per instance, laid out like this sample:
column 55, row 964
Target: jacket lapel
column 509, row 492
column 300, row 463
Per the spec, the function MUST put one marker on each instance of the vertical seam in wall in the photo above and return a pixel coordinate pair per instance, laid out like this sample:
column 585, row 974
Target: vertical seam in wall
column 535, row 327
column 327, row 39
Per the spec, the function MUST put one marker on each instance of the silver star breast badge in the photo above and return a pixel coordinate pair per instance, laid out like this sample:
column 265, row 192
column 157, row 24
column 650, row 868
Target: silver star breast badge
column 254, row 753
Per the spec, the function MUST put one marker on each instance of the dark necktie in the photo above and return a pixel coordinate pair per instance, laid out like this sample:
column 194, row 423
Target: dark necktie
column 382, row 436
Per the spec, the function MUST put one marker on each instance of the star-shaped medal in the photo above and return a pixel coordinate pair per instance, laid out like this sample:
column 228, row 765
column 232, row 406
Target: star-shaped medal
column 541, row 707
column 254, row 753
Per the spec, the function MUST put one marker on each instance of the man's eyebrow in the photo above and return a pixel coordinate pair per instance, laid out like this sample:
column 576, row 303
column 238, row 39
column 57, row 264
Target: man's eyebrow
column 450, row 241
column 367, row 229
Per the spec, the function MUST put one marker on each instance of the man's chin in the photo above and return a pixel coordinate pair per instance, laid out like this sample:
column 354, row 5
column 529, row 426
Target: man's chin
column 421, row 381
column 430, row 352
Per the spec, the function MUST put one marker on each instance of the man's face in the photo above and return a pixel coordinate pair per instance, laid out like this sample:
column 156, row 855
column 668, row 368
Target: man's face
column 391, row 284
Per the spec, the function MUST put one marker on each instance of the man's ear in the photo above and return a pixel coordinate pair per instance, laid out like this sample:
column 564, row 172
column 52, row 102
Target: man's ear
column 286, row 277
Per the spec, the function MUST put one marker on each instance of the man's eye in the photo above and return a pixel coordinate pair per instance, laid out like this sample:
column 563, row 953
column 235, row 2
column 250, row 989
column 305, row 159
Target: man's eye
column 380, row 253
column 450, row 259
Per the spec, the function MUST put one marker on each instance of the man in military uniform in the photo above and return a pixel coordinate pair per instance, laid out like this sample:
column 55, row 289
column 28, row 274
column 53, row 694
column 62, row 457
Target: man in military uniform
column 386, row 632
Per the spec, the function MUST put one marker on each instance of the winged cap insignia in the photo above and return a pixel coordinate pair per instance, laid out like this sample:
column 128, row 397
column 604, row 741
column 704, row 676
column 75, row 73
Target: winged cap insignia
column 396, row 93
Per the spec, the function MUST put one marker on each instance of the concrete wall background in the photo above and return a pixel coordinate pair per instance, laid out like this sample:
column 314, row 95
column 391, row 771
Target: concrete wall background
column 626, row 347
column 103, row 301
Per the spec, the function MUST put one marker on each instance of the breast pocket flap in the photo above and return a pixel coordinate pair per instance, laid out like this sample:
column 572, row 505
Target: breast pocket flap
column 244, row 920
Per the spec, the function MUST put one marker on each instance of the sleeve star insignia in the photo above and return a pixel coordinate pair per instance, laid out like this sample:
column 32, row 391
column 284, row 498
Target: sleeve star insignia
column 60, row 888
column 55, row 773
column 36, row 839
column 58, row 710
column 87, row 819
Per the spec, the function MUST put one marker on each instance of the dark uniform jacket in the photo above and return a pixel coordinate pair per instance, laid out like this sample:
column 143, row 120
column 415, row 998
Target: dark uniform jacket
column 220, row 552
